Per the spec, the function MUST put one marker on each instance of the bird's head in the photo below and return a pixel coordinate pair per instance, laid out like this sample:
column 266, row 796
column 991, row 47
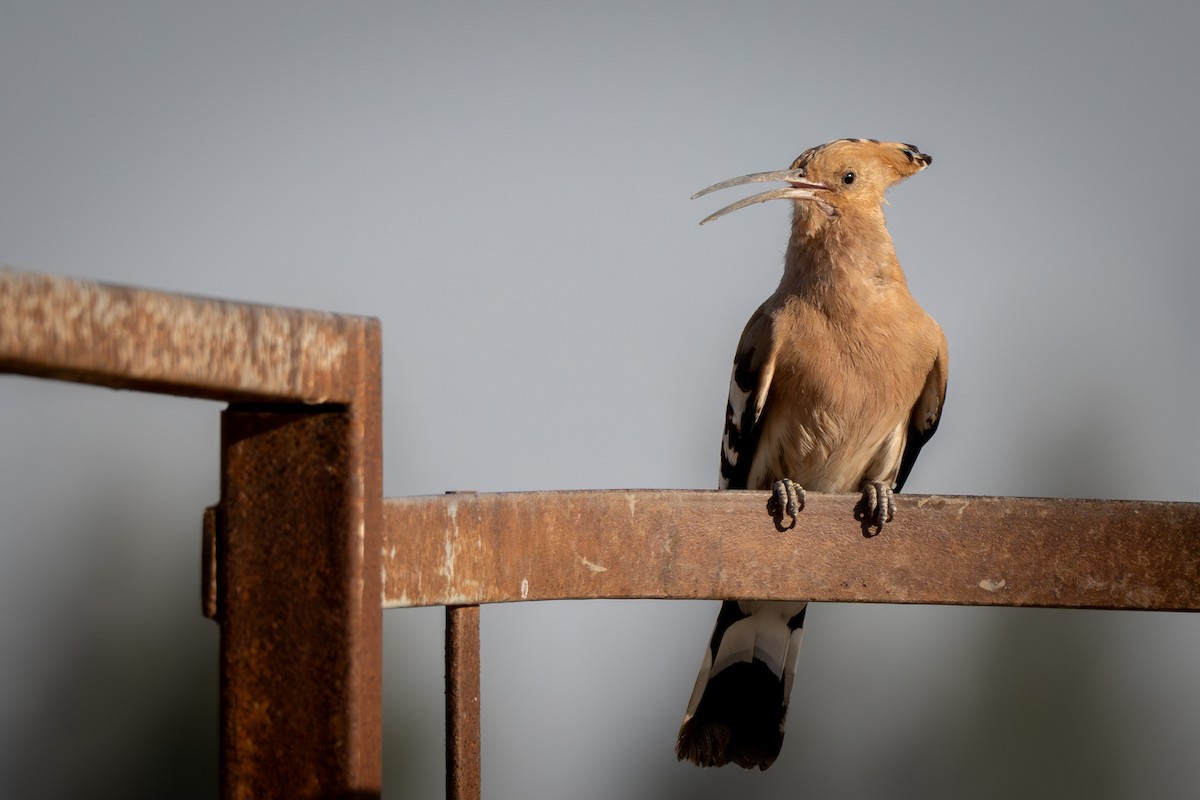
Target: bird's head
column 837, row 177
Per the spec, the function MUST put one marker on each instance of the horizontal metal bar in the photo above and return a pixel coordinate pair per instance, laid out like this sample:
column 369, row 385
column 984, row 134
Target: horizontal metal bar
column 464, row 549
column 76, row 330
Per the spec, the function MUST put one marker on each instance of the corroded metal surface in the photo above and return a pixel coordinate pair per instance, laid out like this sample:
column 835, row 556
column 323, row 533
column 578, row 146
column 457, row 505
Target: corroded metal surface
column 299, row 616
column 291, row 556
column 77, row 330
column 463, row 763
column 481, row 548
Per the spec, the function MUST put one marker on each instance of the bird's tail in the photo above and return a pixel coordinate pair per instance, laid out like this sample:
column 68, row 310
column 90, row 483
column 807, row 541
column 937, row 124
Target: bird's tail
column 740, row 701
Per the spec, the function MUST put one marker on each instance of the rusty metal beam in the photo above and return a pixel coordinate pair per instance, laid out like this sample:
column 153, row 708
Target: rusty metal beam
column 125, row 338
column 484, row 548
column 463, row 760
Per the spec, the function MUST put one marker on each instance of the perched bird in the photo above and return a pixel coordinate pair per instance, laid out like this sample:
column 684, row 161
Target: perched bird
column 838, row 381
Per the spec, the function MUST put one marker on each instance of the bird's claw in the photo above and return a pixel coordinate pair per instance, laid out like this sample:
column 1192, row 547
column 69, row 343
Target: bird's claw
column 880, row 503
column 787, row 497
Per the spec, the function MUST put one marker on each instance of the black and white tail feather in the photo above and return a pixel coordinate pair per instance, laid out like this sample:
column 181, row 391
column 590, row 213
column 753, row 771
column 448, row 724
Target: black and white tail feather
column 739, row 705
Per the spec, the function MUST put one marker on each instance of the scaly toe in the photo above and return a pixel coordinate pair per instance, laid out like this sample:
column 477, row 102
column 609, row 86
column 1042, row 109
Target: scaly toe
column 880, row 501
column 788, row 497
column 795, row 498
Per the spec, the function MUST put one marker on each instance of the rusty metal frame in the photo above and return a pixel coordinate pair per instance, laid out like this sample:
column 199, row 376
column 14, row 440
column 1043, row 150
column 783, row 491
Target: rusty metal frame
column 302, row 553
column 292, row 550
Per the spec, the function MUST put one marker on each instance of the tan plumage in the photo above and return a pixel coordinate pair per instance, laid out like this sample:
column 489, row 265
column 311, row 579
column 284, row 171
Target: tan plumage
column 838, row 381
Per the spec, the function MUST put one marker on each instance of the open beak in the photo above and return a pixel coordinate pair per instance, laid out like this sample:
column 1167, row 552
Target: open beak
column 800, row 189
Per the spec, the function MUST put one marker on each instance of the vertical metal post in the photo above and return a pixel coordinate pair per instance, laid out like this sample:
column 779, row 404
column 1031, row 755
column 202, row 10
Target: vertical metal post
column 462, row 703
column 298, row 588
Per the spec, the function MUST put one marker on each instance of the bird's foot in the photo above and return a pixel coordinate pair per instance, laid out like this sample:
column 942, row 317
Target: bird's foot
column 787, row 497
column 878, row 504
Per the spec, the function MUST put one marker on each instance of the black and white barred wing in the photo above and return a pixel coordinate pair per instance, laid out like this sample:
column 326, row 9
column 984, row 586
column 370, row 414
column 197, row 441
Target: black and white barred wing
column 749, row 385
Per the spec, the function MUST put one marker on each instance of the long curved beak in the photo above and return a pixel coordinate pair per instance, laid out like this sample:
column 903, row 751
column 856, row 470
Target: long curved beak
column 800, row 189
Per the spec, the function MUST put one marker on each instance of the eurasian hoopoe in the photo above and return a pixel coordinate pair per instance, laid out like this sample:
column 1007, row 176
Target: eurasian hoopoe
column 838, row 381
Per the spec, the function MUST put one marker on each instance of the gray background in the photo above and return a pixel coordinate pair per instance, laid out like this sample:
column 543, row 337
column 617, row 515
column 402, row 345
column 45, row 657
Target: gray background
column 506, row 186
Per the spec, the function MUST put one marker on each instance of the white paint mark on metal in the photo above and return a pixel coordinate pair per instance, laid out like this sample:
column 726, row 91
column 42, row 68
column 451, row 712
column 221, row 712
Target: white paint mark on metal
column 593, row 567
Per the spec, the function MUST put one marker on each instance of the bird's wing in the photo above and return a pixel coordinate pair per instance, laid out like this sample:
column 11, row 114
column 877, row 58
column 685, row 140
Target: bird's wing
column 753, row 368
column 926, row 413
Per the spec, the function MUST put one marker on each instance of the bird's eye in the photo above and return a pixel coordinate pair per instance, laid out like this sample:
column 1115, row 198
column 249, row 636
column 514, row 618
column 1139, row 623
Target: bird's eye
column 848, row 178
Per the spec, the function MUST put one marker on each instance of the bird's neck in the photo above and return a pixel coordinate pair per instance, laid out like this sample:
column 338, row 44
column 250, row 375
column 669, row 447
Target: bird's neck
column 832, row 258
